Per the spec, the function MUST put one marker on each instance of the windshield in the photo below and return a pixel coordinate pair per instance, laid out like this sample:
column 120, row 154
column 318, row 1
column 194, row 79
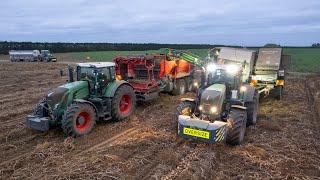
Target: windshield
column 88, row 73
column 85, row 73
column 45, row 52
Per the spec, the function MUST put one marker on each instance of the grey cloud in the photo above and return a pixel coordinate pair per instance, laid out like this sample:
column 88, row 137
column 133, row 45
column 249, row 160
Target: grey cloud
column 168, row 21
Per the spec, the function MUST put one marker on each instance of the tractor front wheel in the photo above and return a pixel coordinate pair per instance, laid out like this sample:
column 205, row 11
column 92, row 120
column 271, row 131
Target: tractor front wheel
column 79, row 119
column 189, row 84
column 237, row 120
column 180, row 87
column 184, row 108
column 252, row 110
column 123, row 103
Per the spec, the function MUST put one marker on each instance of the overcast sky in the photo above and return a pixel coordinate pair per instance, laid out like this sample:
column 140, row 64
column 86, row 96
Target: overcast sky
column 232, row 22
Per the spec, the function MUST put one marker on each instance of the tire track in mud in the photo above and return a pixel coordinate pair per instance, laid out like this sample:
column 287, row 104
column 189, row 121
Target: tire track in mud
column 184, row 164
column 105, row 144
column 19, row 156
column 311, row 101
column 21, row 95
column 32, row 82
column 149, row 171
column 27, row 150
column 111, row 141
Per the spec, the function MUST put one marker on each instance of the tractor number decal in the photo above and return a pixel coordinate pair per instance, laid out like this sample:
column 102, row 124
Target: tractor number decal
column 220, row 134
column 196, row 133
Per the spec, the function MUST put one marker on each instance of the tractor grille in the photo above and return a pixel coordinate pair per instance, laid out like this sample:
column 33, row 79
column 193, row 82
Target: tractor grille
column 210, row 98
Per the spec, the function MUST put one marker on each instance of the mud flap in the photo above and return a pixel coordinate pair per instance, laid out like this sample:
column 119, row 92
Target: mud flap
column 37, row 123
column 196, row 129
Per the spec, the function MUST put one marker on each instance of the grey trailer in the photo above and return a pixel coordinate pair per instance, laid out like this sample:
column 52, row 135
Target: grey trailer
column 269, row 72
column 243, row 57
column 24, row 55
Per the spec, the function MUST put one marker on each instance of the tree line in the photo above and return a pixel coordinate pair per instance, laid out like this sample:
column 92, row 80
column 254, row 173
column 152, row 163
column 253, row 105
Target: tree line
column 316, row 45
column 60, row 47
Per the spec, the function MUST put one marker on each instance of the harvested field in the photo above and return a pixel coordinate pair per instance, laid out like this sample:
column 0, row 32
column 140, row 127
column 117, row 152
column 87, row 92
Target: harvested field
column 283, row 145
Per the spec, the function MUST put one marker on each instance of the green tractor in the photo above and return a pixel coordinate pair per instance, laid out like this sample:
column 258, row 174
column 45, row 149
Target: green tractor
column 77, row 105
column 224, row 106
column 46, row 55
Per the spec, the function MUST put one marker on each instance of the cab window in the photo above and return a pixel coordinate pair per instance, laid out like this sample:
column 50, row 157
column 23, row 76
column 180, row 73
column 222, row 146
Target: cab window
column 84, row 73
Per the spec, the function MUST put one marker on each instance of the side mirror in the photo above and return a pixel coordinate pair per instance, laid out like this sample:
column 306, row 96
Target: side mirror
column 70, row 74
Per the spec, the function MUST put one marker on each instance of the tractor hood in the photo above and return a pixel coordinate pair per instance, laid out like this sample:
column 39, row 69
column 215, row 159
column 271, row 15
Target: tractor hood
column 212, row 99
column 60, row 93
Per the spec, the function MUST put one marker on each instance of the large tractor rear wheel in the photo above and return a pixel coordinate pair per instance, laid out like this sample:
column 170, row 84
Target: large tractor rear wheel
column 79, row 119
column 123, row 103
column 180, row 87
column 252, row 110
column 184, row 108
column 237, row 129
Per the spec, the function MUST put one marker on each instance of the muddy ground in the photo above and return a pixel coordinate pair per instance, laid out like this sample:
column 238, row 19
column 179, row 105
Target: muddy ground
column 283, row 145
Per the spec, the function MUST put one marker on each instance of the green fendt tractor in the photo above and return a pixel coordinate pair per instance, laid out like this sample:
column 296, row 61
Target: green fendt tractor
column 77, row 105
column 224, row 105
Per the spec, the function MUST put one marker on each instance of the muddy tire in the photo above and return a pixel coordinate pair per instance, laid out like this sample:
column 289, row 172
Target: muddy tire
column 78, row 120
column 180, row 87
column 184, row 108
column 236, row 132
column 189, row 84
column 123, row 103
column 279, row 92
column 252, row 110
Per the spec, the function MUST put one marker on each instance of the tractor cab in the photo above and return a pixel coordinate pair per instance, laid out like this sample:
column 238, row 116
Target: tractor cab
column 98, row 75
column 229, row 74
column 46, row 55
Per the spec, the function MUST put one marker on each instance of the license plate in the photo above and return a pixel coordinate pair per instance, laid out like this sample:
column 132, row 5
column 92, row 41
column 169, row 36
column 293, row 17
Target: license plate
column 196, row 133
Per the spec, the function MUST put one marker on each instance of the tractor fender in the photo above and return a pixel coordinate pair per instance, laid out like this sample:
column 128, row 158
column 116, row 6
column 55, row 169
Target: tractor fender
column 249, row 93
column 113, row 87
column 87, row 102
column 188, row 99
column 239, row 107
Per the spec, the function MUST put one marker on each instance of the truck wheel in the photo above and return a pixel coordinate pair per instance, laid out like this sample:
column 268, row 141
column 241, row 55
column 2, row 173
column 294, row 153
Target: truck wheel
column 123, row 103
column 252, row 110
column 279, row 92
column 180, row 87
column 237, row 119
column 184, row 108
column 78, row 120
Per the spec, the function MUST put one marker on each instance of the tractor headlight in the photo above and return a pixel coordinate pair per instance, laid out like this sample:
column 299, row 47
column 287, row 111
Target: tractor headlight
column 196, row 84
column 200, row 108
column 243, row 88
column 232, row 69
column 211, row 67
column 213, row 109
